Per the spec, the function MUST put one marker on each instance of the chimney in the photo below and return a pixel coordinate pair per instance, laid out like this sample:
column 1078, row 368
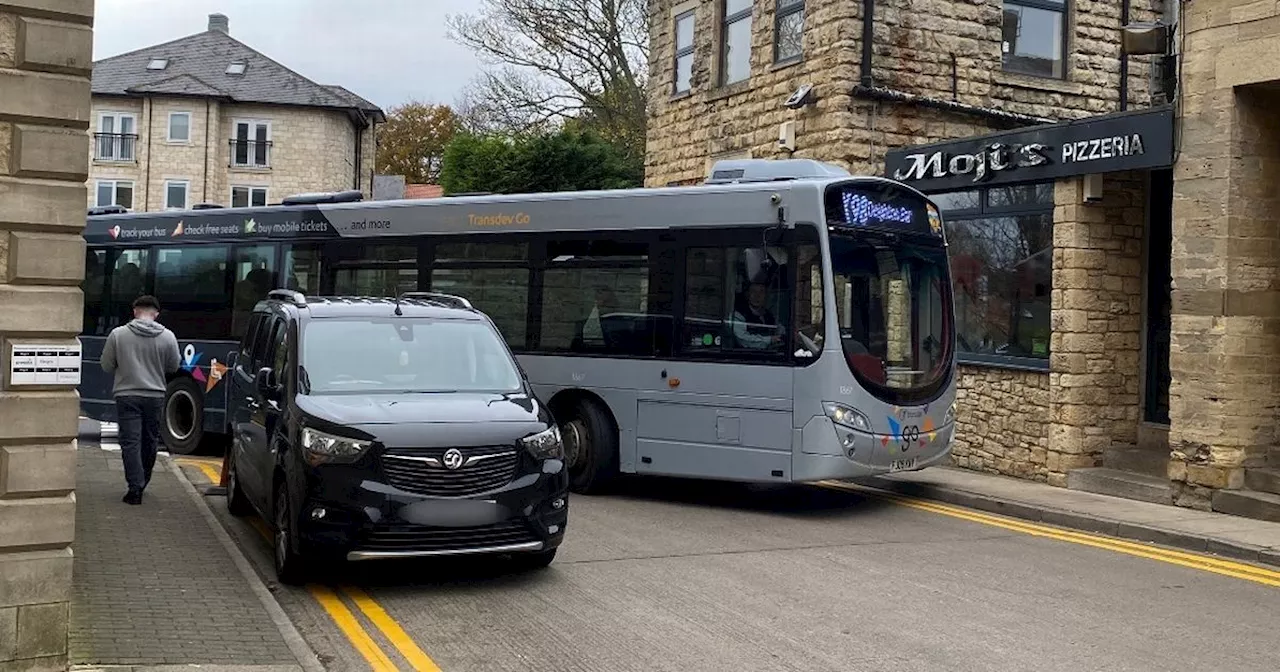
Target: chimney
column 220, row 23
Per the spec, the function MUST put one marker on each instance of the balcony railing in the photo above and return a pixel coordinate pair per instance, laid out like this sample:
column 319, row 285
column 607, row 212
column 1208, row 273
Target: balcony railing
column 250, row 153
column 115, row 147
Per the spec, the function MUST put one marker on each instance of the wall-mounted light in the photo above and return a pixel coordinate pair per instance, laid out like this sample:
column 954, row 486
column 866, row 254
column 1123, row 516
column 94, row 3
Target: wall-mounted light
column 1146, row 37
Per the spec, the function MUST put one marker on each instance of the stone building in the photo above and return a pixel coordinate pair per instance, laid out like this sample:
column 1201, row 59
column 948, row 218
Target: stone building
column 207, row 119
column 1113, row 263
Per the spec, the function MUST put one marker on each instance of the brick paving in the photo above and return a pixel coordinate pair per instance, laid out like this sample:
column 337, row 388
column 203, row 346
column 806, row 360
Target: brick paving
column 153, row 586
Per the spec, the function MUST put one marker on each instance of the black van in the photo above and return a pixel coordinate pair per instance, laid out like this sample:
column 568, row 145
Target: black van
column 370, row 428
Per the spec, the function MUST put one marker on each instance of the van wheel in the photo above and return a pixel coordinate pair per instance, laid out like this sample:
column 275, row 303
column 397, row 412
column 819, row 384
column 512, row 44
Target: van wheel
column 237, row 503
column 183, row 425
column 289, row 568
column 591, row 448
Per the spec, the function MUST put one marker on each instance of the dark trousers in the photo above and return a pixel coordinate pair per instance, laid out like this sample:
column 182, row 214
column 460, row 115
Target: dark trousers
column 139, row 420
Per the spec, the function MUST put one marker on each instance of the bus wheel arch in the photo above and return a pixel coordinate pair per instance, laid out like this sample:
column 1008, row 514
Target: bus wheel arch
column 590, row 435
column 182, row 420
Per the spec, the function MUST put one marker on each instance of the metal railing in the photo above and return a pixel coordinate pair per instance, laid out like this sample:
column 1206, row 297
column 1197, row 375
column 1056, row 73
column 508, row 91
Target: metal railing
column 115, row 147
column 250, row 153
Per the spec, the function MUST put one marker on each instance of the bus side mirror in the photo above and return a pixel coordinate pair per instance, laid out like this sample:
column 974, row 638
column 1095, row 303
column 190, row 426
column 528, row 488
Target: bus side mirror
column 267, row 384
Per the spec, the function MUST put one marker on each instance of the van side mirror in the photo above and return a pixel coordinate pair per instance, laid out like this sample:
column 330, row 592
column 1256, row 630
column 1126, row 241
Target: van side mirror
column 267, row 383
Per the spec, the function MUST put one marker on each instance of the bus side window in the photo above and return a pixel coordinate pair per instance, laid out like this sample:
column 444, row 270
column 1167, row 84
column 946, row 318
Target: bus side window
column 255, row 275
column 128, row 281
column 191, row 284
column 94, row 287
column 302, row 269
column 735, row 302
column 810, row 329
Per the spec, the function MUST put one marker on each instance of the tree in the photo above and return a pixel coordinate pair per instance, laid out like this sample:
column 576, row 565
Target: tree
column 565, row 160
column 560, row 60
column 413, row 141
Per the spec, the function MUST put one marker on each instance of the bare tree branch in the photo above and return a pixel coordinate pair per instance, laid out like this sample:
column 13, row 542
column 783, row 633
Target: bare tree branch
column 556, row 61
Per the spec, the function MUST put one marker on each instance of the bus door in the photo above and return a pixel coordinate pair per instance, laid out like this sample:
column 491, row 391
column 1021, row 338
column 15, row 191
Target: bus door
column 721, row 407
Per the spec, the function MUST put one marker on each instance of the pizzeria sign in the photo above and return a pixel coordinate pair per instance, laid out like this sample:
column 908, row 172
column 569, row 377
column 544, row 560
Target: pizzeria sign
column 1136, row 140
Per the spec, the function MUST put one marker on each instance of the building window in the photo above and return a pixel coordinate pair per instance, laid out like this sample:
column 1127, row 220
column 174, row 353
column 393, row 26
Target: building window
column 116, row 137
column 684, row 52
column 246, row 197
column 115, row 192
column 251, row 146
column 1001, row 246
column 175, row 194
column 158, row 64
column 179, row 127
column 236, row 68
column 1034, row 40
column 788, row 31
column 735, row 55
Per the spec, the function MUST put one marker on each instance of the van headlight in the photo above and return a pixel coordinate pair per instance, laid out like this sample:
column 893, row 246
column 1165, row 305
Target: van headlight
column 846, row 416
column 545, row 445
column 323, row 447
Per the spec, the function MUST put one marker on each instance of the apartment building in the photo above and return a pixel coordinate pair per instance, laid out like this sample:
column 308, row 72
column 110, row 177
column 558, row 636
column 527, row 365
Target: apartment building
column 1106, row 344
column 208, row 119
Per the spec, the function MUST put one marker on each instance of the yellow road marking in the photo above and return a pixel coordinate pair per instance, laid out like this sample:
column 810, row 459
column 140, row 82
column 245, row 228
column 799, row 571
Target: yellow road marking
column 391, row 630
column 347, row 623
column 1205, row 563
column 212, row 470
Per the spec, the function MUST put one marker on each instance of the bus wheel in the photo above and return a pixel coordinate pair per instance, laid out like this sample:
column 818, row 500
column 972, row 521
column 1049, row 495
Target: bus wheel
column 591, row 448
column 183, row 423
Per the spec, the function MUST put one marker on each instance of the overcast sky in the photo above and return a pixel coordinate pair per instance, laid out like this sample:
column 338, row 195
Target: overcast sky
column 389, row 51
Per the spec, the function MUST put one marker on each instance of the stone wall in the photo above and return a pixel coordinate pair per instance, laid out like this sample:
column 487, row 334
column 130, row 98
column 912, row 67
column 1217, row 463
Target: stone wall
column 1226, row 250
column 1096, row 321
column 45, row 60
column 914, row 44
column 312, row 150
column 1002, row 423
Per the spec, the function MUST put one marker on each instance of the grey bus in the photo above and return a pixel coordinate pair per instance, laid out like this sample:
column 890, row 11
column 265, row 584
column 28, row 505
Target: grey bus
column 785, row 321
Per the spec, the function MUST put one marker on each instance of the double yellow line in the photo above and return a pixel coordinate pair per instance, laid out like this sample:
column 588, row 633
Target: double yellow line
column 337, row 609
column 1207, row 563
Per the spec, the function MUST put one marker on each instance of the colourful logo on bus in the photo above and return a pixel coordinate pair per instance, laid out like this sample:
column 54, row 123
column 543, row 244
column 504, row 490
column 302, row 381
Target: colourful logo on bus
column 906, row 435
column 191, row 364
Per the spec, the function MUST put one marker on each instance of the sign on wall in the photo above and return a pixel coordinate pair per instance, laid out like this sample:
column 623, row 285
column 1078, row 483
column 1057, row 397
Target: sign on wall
column 43, row 364
column 1125, row 141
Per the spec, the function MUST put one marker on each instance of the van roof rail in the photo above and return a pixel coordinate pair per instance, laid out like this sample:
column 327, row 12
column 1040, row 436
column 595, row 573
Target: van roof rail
column 296, row 298
column 451, row 299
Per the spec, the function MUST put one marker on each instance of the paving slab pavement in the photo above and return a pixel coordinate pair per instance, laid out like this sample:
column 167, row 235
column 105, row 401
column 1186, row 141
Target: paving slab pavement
column 1202, row 531
column 155, row 585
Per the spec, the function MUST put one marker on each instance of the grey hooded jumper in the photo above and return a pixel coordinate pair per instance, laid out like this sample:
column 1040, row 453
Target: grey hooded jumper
column 140, row 354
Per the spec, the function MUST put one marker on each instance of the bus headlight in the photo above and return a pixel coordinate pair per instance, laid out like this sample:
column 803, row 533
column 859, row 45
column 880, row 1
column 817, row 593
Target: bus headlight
column 846, row 417
column 545, row 445
column 951, row 414
column 322, row 447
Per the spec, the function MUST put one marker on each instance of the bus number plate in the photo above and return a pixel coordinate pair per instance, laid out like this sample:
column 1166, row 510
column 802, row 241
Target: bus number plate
column 902, row 465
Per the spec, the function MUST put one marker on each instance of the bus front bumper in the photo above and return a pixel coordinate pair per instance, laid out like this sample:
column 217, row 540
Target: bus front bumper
column 832, row 452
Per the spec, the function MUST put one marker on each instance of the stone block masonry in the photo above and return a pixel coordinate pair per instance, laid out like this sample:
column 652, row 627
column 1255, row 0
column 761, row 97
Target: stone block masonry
column 1002, row 423
column 45, row 49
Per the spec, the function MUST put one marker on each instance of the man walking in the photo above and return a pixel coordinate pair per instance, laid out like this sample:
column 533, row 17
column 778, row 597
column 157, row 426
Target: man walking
column 140, row 354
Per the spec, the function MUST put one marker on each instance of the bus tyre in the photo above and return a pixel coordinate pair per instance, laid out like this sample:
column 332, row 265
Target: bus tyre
column 591, row 448
column 183, row 423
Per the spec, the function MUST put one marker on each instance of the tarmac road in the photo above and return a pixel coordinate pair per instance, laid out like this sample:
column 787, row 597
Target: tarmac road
column 683, row 575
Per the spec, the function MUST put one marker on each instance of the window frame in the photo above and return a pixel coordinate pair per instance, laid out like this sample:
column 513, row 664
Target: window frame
column 780, row 13
column 116, row 133
column 115, row 192
column 681, row 52
column 250, row 188
column 1062, row 8
column 186, row 193
column 169, row 128
column 984, row 210
column 726, row 23
column 251, row 139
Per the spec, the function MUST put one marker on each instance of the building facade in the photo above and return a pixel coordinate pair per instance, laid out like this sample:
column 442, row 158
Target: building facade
column 1115, row 298
column 207, row 119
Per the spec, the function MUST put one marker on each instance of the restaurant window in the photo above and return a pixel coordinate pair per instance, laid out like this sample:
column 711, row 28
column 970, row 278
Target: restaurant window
column 1035, row 37
column 788, row 31
column 684, row 52
column 735, row 42
column 1000, row 241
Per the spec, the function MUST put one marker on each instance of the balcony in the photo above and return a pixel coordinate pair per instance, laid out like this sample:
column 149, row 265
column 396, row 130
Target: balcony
column 252, row 154
column 115, row 147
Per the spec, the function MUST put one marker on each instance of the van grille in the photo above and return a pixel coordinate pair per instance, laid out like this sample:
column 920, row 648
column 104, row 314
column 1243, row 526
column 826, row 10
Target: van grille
column 418, row 538
column 422, row 470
